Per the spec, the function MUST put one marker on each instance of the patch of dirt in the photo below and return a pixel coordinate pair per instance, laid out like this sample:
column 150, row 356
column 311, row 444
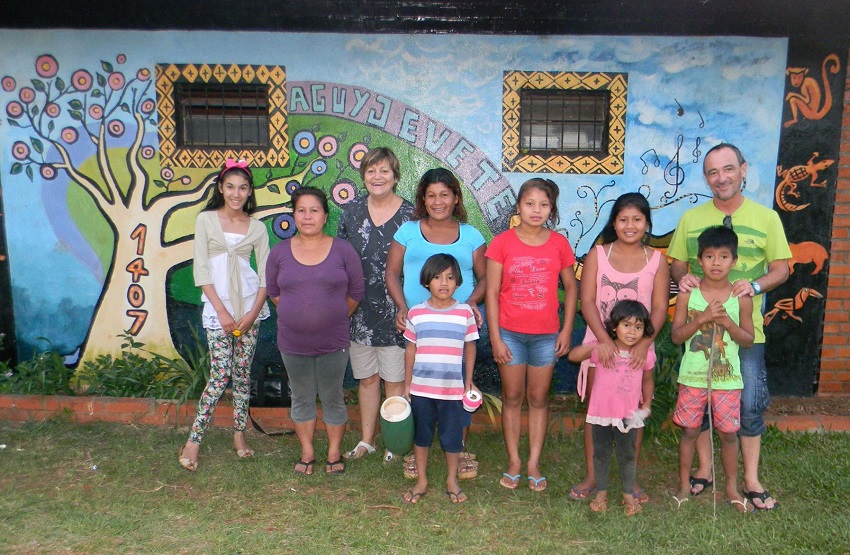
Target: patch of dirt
column 806, row 406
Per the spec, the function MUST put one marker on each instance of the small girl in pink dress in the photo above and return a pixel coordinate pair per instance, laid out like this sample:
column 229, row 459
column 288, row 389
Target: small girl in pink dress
column 620, row 400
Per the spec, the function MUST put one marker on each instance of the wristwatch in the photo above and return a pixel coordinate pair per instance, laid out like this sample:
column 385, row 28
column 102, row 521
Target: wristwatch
column 756, row 287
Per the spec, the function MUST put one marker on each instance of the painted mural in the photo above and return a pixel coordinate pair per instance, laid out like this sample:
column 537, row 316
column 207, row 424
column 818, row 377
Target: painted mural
column 100, row 210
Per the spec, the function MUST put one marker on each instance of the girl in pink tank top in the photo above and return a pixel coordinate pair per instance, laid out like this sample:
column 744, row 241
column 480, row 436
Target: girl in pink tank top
column 622, row 268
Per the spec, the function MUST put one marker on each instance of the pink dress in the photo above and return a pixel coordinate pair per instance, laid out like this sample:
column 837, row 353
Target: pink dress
column 616, row 391
column 613, row 286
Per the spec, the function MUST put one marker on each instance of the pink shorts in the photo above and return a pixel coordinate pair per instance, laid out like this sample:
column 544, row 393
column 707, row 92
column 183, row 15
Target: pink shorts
column 725, row 406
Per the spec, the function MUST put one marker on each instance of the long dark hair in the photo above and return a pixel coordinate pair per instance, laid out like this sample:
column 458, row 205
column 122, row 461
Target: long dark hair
column 217, row 198
column 447, row 178
column 627, row 200
column 624, row 310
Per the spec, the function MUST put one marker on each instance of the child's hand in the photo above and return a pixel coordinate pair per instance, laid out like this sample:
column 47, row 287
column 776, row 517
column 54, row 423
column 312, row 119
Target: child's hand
column 713, row 313
column 501, row 353
column 607, row 352
column 562, row 343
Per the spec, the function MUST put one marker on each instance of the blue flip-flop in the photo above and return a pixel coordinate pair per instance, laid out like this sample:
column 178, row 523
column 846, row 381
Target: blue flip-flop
column 534, row 482
column 513, row 483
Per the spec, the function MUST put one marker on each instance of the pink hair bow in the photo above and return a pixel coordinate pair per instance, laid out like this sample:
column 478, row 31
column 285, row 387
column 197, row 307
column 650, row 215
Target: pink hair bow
column 230, row 163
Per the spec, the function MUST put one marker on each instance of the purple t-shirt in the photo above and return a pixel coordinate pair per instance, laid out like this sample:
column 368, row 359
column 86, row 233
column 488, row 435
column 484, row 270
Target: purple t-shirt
column 312, row 311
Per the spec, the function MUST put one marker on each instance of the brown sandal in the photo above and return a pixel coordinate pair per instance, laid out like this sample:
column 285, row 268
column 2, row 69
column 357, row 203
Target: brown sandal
column 186, row 462
column 599, row 505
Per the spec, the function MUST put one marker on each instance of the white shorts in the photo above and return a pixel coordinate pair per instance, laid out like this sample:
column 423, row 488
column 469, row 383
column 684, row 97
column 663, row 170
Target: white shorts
column 388, row 362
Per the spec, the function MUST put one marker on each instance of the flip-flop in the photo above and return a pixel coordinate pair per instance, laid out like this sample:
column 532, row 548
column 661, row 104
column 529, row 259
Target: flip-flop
column 641, row 496
column 455, row 496
column 534, row 483
column 510, row 481
column 680, row 501
column 761, row 496
column 743, row 504
column 244, row 453
column 580, row 494
column 329, row 467
column 694, row 481
column 412, row 498
column 357, row 453
column 308, row 467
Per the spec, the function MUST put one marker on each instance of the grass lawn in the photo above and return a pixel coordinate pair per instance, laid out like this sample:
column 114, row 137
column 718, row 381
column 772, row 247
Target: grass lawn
column 118, row 489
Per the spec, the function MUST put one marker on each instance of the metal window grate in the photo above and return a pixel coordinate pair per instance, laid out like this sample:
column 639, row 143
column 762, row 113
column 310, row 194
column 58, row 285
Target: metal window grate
column 564, row 122
column 211, row 115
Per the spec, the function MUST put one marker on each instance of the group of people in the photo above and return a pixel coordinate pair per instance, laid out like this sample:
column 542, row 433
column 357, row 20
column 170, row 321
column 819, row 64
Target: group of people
column 397, row 292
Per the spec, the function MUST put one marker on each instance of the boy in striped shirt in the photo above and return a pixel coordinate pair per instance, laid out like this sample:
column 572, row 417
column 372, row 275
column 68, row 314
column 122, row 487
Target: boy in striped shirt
column 439, row 360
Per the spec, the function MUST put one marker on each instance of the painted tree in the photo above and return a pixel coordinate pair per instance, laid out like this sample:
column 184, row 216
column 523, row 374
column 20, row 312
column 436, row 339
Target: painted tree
column 99, row 128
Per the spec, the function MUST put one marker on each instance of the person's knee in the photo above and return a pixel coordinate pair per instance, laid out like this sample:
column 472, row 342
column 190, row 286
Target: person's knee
column 371, row 382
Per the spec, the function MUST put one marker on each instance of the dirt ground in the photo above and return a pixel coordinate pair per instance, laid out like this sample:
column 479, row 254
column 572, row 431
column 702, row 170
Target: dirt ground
column 825, row 406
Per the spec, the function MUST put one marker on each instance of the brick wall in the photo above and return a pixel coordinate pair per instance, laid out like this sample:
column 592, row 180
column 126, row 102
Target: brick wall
column 835, row 351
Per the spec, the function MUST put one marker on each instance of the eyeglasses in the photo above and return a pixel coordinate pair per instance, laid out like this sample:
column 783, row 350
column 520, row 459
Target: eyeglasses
column 727, row 222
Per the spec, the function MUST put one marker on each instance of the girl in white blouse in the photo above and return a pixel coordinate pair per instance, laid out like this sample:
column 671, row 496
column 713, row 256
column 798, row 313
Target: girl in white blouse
column 234, row 297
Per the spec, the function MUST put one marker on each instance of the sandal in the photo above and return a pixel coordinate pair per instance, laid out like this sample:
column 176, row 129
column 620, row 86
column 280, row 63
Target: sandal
column 329, row 467
column 244, row 453
column 510, row 481
column 467, row 469
column 185, row 462
column 703, row 483
column 466, row 455
column 413, row 498
column 641, row 496
column 456, row 496
column 410, row 471
column 599, row 505
column 308, row 467
column 762, row 496
column 631, row 509
column 534, row 483
column 743, row 505
column 580, row 494
column 358, row 453
column 680, row 501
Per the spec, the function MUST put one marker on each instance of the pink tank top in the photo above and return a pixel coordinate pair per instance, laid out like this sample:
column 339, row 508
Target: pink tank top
column 613, row 286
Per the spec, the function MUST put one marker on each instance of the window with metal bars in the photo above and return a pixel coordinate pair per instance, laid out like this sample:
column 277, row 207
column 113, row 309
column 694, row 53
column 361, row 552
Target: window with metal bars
column 566, row 122
column 221, row 115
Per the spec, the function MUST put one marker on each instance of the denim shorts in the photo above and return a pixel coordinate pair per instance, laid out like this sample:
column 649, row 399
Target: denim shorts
column 532, row 349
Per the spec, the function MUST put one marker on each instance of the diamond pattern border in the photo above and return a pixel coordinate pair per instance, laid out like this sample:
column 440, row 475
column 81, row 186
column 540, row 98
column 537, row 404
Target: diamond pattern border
column 173, row 156
column 513, row 160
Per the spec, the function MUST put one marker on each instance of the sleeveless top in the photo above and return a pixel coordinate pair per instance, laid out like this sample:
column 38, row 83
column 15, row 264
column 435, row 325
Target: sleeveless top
column 612, row 286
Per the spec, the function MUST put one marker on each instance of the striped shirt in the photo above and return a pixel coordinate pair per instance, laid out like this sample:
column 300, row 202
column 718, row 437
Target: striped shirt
column 440, row 336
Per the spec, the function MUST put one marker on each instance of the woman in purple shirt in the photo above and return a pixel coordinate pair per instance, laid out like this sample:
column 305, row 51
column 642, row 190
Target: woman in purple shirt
column 316, row 282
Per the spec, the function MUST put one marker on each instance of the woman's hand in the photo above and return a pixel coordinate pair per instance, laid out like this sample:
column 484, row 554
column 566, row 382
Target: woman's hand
column 228, row 324
column 607, row 352
column 401, row 320
column 479, row 321
column 501, row 353
column 639, row 351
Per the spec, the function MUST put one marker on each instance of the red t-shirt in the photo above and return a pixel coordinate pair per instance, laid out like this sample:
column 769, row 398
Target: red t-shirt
column 528, row 294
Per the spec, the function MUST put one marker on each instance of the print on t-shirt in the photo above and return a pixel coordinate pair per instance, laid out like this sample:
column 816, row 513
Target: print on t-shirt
column 528, row 277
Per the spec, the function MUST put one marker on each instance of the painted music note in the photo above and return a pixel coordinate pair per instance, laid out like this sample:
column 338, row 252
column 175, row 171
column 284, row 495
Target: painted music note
column 701, row 121
column 655, row 162
column 673, row 172
column 680, row 111
column 696, row 151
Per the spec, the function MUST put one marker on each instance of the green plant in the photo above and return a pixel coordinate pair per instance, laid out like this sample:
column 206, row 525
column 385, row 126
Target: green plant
column 492, row 404
column 666, row 376
column 44, row 374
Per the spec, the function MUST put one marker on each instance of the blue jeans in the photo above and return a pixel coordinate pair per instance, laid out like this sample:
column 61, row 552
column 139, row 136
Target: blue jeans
column 755, row 398
column 533, row 349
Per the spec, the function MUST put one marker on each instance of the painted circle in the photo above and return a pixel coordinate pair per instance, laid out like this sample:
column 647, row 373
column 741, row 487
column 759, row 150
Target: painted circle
column 167, row 174
column 319, row 167
column 116, row 80
column 9, row 83
column 115, row 128
column 69, row 135
column 14, row 109
column 52, row 110
column 304, row 142
column 328, row 146
column 143, row 74
column 121, row 58
column 148, row 106
column 46, row 65
column 344, row 192
column 284, row 226
column 81, row 80
column 290, row 186
column 48, row 171
column 26, row 95
column 96, row 111
column 20, row 150
column 356, row 154
column 148, row 152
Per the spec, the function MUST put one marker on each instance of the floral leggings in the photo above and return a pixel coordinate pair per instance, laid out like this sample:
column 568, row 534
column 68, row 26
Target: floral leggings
column 227, row 353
